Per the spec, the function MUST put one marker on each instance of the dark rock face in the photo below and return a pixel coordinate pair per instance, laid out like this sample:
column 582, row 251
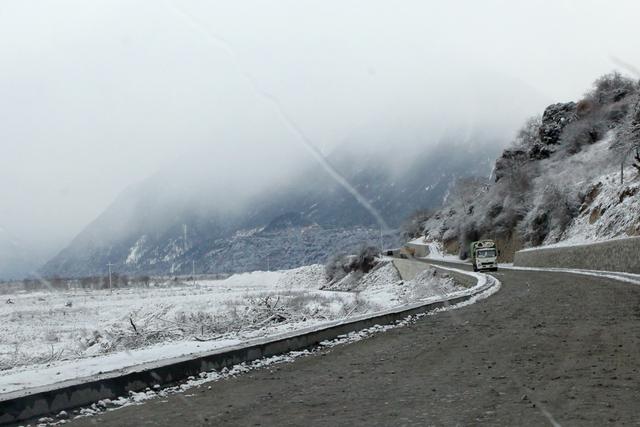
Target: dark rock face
column 554, row 120
column 509, row 160
column 539, row 151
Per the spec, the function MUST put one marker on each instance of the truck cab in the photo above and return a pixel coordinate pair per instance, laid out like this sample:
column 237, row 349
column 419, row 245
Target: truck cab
column 484, row 255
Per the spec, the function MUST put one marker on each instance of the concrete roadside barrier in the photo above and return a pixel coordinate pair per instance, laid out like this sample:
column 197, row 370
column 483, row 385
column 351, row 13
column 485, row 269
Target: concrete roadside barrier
column 611, row 255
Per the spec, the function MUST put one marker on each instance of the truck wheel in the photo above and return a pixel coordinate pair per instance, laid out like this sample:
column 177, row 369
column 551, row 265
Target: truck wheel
column 475, row 268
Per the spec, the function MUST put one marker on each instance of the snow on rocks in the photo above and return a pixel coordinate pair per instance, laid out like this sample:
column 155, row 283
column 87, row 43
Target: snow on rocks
column 307, row 277
column 385, row 285
column 385, row 275
column 430, row 283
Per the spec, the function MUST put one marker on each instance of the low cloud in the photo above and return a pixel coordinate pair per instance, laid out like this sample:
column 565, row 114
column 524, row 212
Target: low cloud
column 99, row 96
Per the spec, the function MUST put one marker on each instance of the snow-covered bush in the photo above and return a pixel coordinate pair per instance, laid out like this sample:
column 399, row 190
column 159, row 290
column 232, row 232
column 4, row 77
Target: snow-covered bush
column 612, row 87
column 553, row 211
column 583, row 132
column 540, row 181
column 529, row 134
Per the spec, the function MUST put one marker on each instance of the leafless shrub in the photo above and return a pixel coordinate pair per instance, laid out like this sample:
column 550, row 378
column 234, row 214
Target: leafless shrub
column 467, row 189
column 582, row 132
column 554, row 210
column 529, row 134
column 612, row 87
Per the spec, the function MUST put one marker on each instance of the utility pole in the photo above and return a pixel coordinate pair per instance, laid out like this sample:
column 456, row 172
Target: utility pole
column 110, row 288
column 268, row 263
column 381, row 243
column 193, row 271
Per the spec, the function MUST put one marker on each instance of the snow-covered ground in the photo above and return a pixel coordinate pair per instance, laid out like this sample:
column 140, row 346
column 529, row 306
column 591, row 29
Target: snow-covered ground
column 136, row 398
column 437, row 253
column 54, row 336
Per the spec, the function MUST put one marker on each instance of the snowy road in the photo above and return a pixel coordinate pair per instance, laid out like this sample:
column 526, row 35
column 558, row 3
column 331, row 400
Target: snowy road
column 549, row 348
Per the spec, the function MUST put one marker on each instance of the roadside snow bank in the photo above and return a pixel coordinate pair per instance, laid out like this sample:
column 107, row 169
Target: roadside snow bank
column 83, row 333
column 437, row 253
column 428, row 283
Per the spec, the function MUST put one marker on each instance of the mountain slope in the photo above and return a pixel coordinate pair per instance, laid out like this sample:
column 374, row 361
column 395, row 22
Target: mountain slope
column 560, row 179
column 151, row 230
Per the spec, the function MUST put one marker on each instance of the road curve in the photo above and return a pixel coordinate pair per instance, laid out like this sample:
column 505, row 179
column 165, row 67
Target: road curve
column 547, row 349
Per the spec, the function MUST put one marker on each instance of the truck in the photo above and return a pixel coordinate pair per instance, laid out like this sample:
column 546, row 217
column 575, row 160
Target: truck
column 484, row 255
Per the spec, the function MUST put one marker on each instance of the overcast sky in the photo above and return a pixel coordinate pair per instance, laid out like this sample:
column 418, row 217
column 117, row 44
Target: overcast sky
column 97, row 95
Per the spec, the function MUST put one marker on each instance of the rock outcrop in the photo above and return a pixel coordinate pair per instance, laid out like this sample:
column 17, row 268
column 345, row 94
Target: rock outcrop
column 555, row 118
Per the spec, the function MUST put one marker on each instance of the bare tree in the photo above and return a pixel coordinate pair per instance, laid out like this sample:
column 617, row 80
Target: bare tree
column 529, row 133
column 636, row 160
column 612, row 88
column 466, row 190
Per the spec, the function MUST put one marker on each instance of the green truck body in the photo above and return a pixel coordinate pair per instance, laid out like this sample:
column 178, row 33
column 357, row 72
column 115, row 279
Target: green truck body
column 484, row 255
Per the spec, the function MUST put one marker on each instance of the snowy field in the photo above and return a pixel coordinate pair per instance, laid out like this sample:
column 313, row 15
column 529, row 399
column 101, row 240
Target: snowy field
column 69, row 334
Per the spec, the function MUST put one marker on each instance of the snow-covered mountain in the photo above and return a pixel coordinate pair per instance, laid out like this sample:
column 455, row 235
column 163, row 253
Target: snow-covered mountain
column 150, row 229
column 559, row 181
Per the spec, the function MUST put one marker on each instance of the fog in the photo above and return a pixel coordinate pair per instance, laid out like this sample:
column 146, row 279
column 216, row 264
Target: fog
column 97, row 96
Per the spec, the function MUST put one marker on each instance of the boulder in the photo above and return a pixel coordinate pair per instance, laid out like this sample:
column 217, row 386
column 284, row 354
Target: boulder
column 554, row 120
column 539, row 151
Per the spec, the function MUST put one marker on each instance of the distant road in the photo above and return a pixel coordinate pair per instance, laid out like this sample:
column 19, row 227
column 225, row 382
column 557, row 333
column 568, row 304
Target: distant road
column 547, row 349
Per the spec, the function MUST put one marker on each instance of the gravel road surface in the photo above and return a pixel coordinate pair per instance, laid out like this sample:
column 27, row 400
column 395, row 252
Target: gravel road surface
column 547, row 349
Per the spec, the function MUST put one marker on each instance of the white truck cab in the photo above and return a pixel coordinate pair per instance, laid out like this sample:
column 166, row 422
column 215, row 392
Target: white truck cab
column 484, row 255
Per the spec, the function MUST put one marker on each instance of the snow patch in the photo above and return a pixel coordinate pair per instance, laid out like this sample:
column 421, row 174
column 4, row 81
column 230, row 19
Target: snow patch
column 136, row 251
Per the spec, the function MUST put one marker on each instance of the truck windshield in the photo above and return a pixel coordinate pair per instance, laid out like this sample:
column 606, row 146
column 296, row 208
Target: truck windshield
column 487, row 253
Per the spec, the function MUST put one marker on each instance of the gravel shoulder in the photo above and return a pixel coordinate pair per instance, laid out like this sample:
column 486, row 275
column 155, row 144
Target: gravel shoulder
column 548, row 347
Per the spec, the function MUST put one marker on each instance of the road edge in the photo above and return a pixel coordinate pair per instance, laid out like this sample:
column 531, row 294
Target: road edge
column 42, row 401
